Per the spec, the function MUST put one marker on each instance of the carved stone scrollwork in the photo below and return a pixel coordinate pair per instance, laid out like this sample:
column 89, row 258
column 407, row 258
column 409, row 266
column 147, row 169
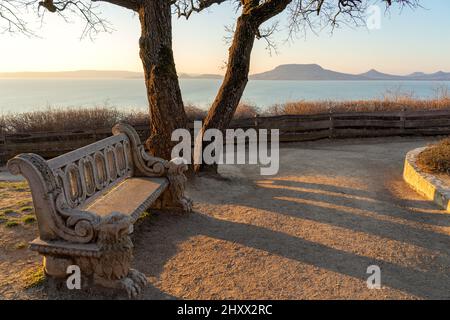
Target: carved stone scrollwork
column 56, row 218
column 177, row 184
column 113, row 268
column 147, row 165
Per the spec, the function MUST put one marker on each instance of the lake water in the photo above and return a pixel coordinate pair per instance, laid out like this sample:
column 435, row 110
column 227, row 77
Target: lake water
column 20, row 95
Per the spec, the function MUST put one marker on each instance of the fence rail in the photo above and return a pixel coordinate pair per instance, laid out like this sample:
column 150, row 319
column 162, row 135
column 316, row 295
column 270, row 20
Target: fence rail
column 293, row 128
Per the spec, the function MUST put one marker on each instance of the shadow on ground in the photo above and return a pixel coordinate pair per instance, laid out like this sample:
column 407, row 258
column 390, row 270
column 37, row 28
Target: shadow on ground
column 334, row 209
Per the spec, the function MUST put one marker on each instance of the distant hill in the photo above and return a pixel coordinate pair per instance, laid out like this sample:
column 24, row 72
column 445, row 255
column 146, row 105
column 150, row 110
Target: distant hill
column 82, row 74
column 95, row 74
column 302, row 72
column 282, row 72
column 316, row 72
column 376, row 75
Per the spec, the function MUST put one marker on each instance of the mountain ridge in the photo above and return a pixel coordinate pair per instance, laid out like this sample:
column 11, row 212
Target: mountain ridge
column 316, row 72
column 94, row 74
column 281, row 72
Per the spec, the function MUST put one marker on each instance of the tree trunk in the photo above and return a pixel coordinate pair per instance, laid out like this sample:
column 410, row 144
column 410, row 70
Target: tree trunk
column 236, row 78
column 161, row 80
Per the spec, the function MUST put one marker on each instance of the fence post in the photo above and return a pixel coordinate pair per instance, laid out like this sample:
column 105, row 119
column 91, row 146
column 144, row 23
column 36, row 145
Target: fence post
column 256, row 122
column 331, row 133
column 402, row 120
column 3, row 153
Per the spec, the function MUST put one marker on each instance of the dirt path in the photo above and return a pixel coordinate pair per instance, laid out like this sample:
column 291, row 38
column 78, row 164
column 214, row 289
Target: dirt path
column 310, row 232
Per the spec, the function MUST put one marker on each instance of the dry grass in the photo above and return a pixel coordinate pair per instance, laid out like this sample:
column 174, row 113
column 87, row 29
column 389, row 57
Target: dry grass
column 315, row 107
column 33, row 277
column 392, row 100
column 60, row 119
column 245, row 111
column 15, row 204
column 436, row 158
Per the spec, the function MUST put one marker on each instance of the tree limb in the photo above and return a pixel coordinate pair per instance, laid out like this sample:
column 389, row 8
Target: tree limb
column 128, row 4
column 268, row 9
column 184, row 8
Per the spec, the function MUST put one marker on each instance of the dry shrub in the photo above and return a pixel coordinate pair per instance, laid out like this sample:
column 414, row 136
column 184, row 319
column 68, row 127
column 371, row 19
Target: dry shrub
column 136, row 118
column 62, row 120
column 194, row 113
column 387, row 104
column 70, row 119
column 245, row 111
column 2, row 123
column 436, row 158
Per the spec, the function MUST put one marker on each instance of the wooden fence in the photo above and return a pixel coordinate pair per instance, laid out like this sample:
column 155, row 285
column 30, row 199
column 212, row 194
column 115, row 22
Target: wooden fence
column 293, row 128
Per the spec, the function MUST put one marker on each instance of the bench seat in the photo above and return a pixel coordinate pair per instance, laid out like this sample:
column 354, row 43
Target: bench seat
column 141, row 193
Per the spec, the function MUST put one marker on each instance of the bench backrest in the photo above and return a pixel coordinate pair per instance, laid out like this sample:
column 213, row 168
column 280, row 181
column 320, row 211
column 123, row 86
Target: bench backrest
column 89, row 171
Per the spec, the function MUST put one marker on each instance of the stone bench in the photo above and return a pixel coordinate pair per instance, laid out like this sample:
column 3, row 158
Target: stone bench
column 86, row 202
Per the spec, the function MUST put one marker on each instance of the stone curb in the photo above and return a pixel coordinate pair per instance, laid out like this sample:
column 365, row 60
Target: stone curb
column 424, row 183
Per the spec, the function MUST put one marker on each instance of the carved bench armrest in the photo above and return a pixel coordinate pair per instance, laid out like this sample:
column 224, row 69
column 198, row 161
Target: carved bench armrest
column 145, row 163
column 148, row 165
column 56, row 220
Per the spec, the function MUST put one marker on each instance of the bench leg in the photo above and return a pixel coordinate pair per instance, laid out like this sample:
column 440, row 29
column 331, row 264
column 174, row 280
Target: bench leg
column 113, row 268
column 175, row 196
column 56, row 266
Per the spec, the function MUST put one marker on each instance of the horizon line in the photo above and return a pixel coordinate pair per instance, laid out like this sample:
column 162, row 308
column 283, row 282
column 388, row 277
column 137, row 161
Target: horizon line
column 209, row 73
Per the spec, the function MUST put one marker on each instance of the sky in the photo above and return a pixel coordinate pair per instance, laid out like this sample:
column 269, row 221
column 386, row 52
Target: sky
column 407, row 42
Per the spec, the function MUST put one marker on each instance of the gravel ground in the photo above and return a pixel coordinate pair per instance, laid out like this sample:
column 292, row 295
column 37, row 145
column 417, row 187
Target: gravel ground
column 311, row 232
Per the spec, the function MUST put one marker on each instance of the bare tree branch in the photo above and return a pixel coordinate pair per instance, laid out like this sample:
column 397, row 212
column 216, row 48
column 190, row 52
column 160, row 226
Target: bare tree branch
column 129, row 4
column 318, row 14
column 268, row 9
column 12, row 13
column 11, row 16
column 184, row 8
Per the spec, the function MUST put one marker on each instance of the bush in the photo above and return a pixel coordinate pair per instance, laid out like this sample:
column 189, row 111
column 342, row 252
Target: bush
column 245, row 111
column 388, row 103
column 60, row 119
column 72, row 119
column 436, row 158
column 194, row 113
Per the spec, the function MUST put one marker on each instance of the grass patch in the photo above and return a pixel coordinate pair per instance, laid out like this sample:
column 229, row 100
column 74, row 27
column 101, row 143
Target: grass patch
column 8, row 211
column 25, row 203
column 33, row 277
column 17, row 186
column 20, row 245
column 11, row 224
column 28, row 219
column 144, row 216
column 436, row 158
column 20, row 186
column 26, row 209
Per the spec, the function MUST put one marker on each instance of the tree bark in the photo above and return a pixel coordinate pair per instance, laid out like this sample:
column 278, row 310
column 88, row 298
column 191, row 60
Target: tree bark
column 235, row 80
column 161, row 80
